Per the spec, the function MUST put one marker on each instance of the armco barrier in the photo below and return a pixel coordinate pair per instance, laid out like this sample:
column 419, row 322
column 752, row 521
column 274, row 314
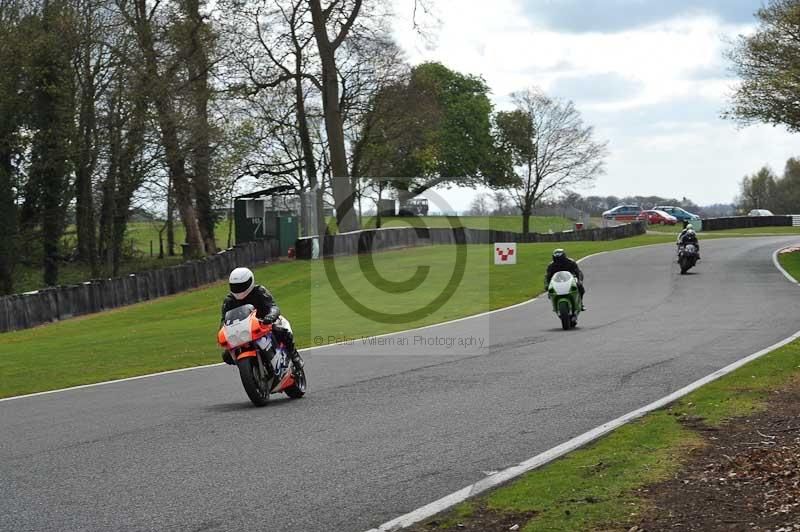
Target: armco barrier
column 744, row 222
column 21, row 311
column 370, row 240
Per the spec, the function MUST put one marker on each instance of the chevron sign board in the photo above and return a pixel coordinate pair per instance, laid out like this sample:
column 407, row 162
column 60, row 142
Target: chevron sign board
column 505, row 253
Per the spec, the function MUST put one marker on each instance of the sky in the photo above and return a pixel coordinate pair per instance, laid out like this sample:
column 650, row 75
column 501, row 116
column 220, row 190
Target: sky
column 649, row 75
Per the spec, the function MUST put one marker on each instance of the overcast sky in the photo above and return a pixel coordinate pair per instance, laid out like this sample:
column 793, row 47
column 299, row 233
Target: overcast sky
column 648, row 74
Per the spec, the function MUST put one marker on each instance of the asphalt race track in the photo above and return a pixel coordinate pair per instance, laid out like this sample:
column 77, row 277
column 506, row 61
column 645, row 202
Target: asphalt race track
column 380, row 435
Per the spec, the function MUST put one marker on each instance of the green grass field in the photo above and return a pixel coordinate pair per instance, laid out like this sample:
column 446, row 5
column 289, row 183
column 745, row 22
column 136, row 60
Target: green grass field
column 180, row 331
column 539, row 224
column 136, row 248
column 791, row 262
column 594, row 488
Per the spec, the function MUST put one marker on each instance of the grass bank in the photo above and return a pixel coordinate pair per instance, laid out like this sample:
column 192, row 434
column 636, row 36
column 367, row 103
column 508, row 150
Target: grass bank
column 595, row 488
column 791, row 263
column 180, row 331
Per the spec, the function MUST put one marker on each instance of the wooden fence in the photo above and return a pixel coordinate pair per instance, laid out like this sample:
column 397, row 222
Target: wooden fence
column 21, row 311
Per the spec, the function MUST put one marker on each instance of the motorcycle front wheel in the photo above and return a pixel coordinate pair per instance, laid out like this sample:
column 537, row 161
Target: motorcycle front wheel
column 298, row 389
column 254, row 383
column 565, row 315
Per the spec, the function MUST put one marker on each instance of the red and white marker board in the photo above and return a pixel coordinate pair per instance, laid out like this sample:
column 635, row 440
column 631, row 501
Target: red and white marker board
column 505, row 253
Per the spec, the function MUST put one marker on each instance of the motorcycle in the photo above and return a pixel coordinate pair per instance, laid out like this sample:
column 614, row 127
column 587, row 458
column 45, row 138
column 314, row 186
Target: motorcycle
column 264, row 365
column 687, row 257
column 565, row 297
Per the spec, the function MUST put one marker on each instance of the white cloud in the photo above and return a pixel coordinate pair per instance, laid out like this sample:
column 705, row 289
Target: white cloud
column 664, row 85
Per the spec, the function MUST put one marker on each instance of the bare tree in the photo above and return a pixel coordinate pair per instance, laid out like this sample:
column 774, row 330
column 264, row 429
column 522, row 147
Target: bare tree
column 479, row 206
column 549, row 146
column 502, row 203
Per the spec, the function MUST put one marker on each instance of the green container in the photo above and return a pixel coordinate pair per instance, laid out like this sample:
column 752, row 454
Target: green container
column 287, row 231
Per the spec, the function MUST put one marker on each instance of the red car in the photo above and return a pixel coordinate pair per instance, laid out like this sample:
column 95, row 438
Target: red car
column 658, row 217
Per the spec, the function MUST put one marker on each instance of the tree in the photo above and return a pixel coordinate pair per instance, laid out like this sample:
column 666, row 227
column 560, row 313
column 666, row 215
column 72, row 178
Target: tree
column 160, row 88
column 758, row 190
column 340, row 14
column 549, row 146
column 52, row 82
column 502, row 204
column 788, row 189
column 479, row 206
column 196, row 40
column 12, row 53
column 432, row 128
column 766, row 61
column 271, row 48
column 94, row 65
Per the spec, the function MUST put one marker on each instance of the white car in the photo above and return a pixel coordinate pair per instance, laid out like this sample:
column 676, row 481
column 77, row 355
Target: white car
column 760, row 212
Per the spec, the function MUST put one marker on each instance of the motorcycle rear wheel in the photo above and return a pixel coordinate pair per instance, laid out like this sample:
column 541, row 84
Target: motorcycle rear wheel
column 255, row 386
column 565, row 315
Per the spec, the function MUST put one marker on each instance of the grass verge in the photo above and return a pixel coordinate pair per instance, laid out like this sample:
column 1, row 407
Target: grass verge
column 180, row 331
column 791, row 263
column 595, row 487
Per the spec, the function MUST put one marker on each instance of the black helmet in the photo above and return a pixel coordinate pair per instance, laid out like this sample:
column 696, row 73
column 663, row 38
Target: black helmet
column 559, row 254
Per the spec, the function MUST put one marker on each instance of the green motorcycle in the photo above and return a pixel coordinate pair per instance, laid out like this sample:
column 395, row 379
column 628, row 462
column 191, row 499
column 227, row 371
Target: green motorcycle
column 566, row 299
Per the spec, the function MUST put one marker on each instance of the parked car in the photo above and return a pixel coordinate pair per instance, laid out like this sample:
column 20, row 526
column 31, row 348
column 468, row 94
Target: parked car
column 622, row 212
column 654, row 216
column 760, row 212
column 677, row 212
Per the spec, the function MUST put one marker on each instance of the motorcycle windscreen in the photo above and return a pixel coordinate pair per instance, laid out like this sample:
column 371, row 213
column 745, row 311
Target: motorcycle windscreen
column 238, row 314
column 561, row 283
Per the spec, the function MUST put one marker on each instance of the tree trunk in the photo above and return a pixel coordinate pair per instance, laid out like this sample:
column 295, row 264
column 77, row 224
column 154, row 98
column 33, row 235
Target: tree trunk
column 526, row 219
column 107, row 207
column 85, row 163
column 170, row 221
column 8, row 218
column 198, row 67
column 334, row 127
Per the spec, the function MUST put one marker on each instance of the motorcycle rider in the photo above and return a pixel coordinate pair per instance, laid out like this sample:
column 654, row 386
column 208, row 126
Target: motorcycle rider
column 562, row 263
column 688, row 236
column 244, row 291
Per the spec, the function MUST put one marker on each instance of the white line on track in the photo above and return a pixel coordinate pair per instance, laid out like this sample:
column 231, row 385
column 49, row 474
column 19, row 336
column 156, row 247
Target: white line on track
column 558, row 451
column 311, row 348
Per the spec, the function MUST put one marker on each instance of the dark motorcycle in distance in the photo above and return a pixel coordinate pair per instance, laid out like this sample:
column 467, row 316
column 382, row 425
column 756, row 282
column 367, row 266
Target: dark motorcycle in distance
column 687, row 257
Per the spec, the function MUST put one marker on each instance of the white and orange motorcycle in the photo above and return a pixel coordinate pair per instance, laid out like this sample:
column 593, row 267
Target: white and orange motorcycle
column 264, row 365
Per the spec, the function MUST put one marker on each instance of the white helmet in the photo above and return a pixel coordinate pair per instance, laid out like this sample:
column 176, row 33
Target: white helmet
column 689, row 226
column 241, row 282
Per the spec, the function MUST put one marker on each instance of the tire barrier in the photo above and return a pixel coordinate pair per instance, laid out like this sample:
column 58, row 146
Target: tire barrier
column 745, row 222
column 370, row 240
column 22, row 311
